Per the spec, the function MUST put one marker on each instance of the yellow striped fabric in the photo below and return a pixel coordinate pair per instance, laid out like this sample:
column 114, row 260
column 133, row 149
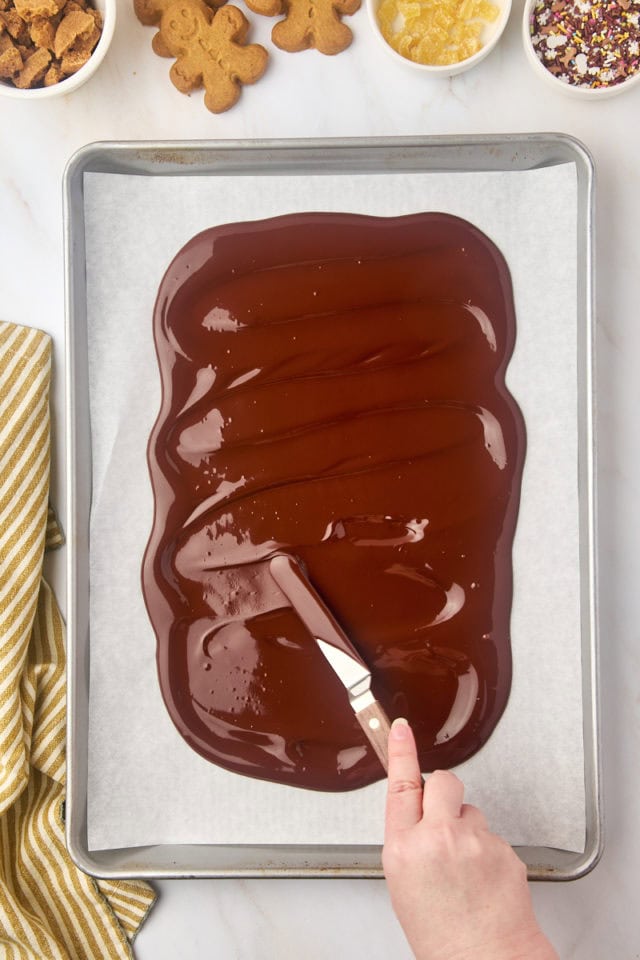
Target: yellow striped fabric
column 49, row 909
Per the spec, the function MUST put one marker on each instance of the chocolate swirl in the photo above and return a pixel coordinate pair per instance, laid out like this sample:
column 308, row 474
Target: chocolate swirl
column 333, row 386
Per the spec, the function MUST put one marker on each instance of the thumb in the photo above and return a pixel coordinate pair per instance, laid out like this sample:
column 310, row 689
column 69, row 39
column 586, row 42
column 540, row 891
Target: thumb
column 404, row 786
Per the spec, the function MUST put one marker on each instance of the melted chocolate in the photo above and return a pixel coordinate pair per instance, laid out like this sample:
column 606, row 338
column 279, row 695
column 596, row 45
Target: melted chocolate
column 333, row 387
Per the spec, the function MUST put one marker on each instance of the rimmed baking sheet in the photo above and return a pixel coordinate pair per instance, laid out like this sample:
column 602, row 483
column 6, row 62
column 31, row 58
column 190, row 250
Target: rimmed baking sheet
column 128, row 209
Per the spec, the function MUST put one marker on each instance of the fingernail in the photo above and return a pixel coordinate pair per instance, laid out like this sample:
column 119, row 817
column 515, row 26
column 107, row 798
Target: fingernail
column 399, row 729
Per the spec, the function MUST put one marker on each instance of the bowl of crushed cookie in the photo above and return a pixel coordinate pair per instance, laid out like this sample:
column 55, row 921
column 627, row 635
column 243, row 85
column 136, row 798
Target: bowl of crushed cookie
column 584, row 48
column 51, row 47
column 439, row 37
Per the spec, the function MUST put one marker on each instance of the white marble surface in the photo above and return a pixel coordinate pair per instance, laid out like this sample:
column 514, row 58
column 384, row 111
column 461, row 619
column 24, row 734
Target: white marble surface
column 360, row 94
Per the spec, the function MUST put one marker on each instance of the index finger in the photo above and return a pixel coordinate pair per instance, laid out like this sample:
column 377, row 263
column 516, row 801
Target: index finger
column 404, row 786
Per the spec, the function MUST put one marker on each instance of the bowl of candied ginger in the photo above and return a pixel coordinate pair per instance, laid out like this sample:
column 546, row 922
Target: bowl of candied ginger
column 439, row 37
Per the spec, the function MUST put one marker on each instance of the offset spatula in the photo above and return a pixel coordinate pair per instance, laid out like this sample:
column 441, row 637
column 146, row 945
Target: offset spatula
column 337, row 648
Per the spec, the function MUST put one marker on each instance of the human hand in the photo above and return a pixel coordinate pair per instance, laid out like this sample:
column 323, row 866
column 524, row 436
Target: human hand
column 459, row 891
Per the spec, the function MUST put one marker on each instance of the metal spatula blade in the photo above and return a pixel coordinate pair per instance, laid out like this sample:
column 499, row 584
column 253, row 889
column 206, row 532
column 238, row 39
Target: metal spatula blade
column 345, row 660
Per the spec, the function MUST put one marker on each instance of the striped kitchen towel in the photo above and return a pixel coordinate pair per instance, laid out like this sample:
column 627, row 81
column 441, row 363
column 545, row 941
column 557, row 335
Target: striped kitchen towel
column 49, row 909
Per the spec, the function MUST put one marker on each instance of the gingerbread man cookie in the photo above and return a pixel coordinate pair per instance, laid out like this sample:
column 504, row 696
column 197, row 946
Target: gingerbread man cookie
column 309, row 23
column 149, row 13
column 210, row 51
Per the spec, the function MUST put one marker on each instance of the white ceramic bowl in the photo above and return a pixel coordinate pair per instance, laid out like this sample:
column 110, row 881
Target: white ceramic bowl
column 490, row 37
column 570, row 89
column 108, row 10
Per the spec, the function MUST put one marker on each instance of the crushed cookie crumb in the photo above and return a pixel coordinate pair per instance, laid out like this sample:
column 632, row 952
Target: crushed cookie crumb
column 44, row 41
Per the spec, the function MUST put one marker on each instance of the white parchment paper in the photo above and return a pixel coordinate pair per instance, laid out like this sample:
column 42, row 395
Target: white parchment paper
column 146, row 786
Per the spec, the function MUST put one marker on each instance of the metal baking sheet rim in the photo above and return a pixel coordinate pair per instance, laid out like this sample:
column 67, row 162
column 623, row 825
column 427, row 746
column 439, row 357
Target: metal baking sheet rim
column 442, row 154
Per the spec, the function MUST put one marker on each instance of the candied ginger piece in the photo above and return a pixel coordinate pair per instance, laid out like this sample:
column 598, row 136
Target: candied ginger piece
column 387, row 10
column 468, row 47
column 450, row 56
column 486, row 10
column 473, row 29
column 462, row 31
column 439, row 37
column 428, row 51
column 444, row 20
column 409, row 9
column 405, row 45
column 424, row 18
column 417, row 28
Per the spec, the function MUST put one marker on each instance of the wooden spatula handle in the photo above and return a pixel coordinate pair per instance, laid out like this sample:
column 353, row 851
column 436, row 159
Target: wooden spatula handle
column 376, row 726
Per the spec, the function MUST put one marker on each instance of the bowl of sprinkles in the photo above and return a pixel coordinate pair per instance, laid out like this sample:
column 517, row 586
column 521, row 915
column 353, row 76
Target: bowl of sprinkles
column 586, row 48
column 439, row 37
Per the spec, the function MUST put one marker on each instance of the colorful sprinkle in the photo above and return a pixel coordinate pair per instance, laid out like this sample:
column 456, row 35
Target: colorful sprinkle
column 588, row 44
